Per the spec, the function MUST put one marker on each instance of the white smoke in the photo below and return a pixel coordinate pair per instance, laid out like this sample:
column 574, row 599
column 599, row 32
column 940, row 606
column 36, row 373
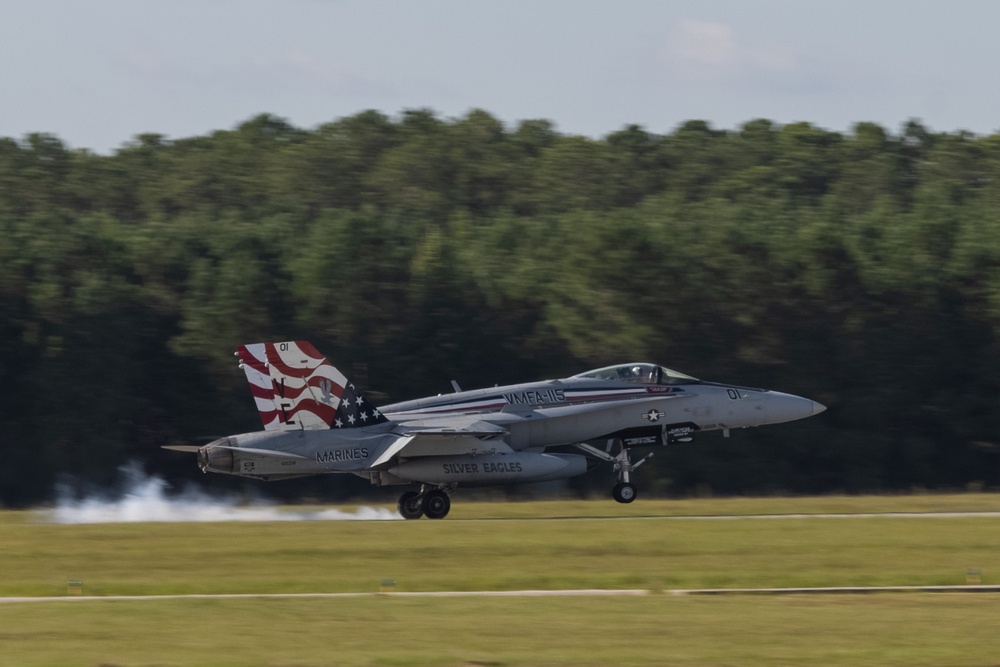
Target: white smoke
column 145, row 500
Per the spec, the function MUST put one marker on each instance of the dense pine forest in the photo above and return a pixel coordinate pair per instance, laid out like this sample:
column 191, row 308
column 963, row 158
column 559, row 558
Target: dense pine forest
column 860, row 269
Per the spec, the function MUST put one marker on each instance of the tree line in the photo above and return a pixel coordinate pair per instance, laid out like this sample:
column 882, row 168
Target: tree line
column 861, row 269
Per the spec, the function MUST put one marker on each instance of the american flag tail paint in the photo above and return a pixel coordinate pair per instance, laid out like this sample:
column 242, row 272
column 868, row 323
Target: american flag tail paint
column 295, row 387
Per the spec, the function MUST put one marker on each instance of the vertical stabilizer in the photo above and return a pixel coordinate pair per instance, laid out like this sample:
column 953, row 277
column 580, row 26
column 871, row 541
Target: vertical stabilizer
column 253, row 361
column 295, row 387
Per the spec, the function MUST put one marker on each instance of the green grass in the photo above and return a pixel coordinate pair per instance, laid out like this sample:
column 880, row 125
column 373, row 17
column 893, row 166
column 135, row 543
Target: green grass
column 913, row 629
column 650, row 550
column 510, row 546
column 604, row 507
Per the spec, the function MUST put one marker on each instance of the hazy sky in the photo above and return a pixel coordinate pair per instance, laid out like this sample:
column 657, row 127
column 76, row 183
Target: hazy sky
column 98, row 72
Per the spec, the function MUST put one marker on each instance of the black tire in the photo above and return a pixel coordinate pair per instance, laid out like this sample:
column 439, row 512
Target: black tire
column 409, row 505
column 624, row 492
column 437, row 504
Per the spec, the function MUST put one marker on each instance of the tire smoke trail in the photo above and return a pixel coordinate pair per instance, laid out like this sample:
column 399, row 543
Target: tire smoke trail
column 145, row 500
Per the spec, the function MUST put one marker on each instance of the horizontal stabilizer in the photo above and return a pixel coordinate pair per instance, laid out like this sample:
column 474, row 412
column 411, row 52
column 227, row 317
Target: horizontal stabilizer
column 247, row 450
column 182, row 448
column 262, row 452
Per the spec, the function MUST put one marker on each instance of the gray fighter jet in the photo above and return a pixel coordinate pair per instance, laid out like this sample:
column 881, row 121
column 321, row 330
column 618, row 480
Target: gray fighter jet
column 317, row 422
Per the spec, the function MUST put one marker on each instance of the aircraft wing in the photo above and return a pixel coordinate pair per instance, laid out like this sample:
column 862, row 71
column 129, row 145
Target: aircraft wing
column 477, row 434
column 476, row 424
column 444, row 437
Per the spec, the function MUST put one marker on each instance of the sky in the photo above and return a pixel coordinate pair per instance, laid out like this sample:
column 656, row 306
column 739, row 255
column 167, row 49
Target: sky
column 100, row 72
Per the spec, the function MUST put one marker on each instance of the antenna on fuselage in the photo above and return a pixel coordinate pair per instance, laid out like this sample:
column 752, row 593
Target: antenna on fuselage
column 454, row 385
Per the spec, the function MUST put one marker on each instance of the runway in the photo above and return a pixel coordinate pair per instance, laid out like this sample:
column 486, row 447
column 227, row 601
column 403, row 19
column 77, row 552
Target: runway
column 844, row 515
column 583, row 592
column 748, row 517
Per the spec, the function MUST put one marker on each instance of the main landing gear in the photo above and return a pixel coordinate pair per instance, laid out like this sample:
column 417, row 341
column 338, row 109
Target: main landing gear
column 432, row 503
column 624, row 491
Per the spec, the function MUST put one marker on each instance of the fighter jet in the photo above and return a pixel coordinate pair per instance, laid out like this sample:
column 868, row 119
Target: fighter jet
column 317, row 422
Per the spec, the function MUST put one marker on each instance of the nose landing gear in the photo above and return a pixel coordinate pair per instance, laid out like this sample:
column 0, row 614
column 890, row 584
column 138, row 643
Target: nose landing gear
column 624, row 491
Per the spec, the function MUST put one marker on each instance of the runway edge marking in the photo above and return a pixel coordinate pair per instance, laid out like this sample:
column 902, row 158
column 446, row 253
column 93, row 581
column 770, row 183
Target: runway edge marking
column 591, row 592
column 827, row 590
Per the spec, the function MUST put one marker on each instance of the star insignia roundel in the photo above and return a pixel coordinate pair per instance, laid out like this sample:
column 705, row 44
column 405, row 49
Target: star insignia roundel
column 653, row 415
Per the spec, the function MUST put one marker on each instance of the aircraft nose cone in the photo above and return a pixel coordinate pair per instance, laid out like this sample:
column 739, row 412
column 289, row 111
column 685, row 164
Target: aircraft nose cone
column 788, row 407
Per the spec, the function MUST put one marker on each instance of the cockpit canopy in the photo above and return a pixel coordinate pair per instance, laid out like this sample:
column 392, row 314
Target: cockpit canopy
column 638, row 373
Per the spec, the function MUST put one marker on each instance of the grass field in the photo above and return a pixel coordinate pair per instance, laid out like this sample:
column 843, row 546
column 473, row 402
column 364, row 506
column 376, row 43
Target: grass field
column 911, row 629
column 512, row 546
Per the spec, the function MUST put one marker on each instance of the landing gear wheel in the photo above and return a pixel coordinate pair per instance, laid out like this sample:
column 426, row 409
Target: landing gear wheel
column 409, row 505
column 436, row 504
column 624, row 492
